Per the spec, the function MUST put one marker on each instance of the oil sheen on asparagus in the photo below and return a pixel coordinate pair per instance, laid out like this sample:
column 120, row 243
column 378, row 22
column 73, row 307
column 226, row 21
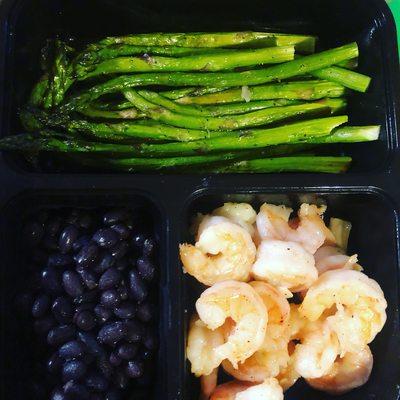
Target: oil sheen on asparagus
column 215, row 102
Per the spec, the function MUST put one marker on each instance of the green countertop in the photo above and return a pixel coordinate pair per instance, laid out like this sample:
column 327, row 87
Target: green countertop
column 395, row 7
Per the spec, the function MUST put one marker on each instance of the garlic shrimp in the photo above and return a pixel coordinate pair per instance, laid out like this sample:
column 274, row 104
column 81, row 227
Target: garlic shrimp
column 223, row 251
column 239, row 303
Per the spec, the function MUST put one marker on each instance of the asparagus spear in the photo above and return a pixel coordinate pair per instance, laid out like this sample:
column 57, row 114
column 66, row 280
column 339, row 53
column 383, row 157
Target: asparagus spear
column 123, row 50
column 303, row 43
column 287, row 164
column 300, row 90
column 218, row 110
column 210, row 111
column 222, row 79
column 206, row 62
column 233, row 122
column 352, row 134
column 252, row 139
column 350, row 79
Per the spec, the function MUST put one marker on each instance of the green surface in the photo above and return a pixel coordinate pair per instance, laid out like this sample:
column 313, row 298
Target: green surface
column 395, row 7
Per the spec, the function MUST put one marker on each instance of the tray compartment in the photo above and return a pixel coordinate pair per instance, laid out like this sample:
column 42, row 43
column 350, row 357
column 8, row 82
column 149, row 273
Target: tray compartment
column 373, row 238
column 19, row 344
column 27, row 24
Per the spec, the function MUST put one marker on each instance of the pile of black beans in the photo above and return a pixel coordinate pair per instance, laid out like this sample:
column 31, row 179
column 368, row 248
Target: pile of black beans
column 93, row 301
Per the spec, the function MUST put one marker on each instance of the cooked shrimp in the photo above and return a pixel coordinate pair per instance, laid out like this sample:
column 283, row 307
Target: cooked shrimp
column 308, row 229
column 286, row 265
column 239, row 302
column 272, row 221
column 235, row 390
column 223, row 251
column 332, row 257
column 317, row 352
column 347, row 373
column 311, row 232
column 201, row 346
column 208, row 383
column 273, row 354
column 355, row 304
column 242, row 214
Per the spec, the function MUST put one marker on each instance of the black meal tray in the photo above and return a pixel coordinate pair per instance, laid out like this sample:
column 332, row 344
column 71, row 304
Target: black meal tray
column 368, row 196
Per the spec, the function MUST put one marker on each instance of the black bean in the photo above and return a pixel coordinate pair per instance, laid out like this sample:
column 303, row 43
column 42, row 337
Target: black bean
column 113, row 395
column 54, row 363
column 80, row 242
column 59, row 260
column 135, row 369
column 109, row 279
column 87, row 255
column 96, row 382
column 148, row 247
column 145, row 312
column 121, row 264
column 123, row 291
column 137, row 287
column 96, row 396
column 62, row 310
column 115, row 359
column 85, row 320
column 85, row 307
column 105, row 367
column 58, row 394
column 91, row 343
column 76, row 391
column 120, row 250
column 134, row 331
column 53, row 226
column 150, row 340
column 67, row 238
column 127, row 351
column 103, row 313
column 33, row 233
column 60, row 334
column 72, row 283
column 88, row 358
column 122, row 230
column 125, row 310
column 43, row 325
column 106, row 260
column 41, row 305
column 73, row 370
column 72, row 349
column 111, row 333
column 87, row 297
column 146, row 268
column 139, row 239
column 51, row 281
column 89, row 277
column 110, row 298
column 145, row 380
column 120, row 379
column 114, row 216
column 106, row 237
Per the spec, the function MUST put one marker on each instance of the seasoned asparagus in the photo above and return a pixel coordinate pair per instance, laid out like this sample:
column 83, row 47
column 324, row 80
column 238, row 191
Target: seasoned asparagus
column 303, row 43
column 232, row 122
column 206, row 62
column 300, row 90
column 223, row 79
